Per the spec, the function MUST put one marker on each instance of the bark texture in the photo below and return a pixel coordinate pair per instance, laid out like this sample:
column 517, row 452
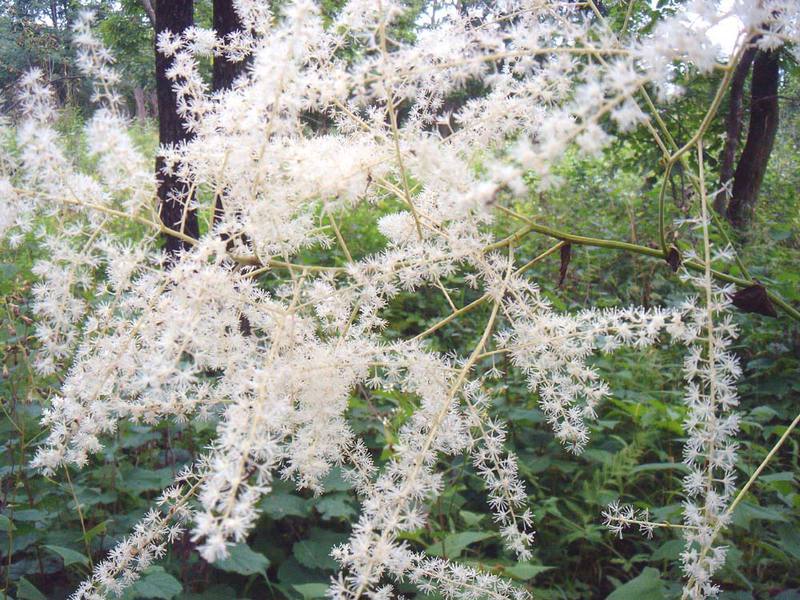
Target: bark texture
column 761, row 132
column 733, row 126
column 175, row 16
column 224, row 72
column 226, row 21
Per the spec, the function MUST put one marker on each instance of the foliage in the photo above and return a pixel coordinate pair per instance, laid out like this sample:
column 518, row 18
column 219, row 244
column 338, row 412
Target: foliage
column 57, row 527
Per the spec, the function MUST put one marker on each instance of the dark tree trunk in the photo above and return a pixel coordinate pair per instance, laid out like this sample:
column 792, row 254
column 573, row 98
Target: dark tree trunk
column 175, row 16
column 760, row 137
column 733, row 127
column 225, row 72
column 226, row 21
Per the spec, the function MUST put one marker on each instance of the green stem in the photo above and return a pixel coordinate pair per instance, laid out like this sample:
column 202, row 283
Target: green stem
column 628, row 247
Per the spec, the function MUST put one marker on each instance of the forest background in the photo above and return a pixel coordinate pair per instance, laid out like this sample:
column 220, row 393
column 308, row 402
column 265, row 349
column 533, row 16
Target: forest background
column 53, row 531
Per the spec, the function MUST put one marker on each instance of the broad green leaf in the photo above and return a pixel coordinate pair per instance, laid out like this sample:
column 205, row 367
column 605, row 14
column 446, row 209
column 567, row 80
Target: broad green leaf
column 27, row 591
column 31, row 514
column 335, row 481
column 335, row 506
column 155, row 583
column 647, row 584
column 6, row 524
column 790, row 541
column 525, row 571
column 314, row 554
column 747, row 512
column 68, row 555
column 214, row 592
column 244, row 560
column 669, row 550
column 136, row 480
column 454, row 544
column 470, row 518
column 282, row 504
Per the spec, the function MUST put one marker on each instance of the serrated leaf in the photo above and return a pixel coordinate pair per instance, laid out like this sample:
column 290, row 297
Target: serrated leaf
column 245, row 561
column 68, row 555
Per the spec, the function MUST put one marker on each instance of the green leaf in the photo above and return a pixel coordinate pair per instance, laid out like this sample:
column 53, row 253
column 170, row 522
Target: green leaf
column 214, row 592
column 245, row 561
column 454, row 544
column 669, row 550
column 30, row 514
column 335, row 481
column 68, row 555
column 335, row 506
column 27, row 591
column 309, row 591
column 98, row 529
column 136, row 480
column 747, row 512
column 6, row 524
column 647, row 585
column 313, row 554
column 282, row 504
column 790, row 541
column 525, row 571
column 155, row 583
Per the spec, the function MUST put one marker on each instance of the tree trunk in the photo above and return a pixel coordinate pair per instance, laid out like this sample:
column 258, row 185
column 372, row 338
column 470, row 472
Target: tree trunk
column 149, row 11
column 224, row 73
column 760, row 138
column 226, row 21
column 733, row 128
column 175, row 16
column 141, row 104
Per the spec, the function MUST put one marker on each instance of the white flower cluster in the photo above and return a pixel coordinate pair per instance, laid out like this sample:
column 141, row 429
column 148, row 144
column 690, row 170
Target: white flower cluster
column 148, row 543
column 618, row 516
column 552, row 349
column 711, row 371
column 144, row 338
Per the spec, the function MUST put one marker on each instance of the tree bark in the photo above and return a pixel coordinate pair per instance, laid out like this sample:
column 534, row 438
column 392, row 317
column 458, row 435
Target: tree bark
column 733, row 127
column 173, row 194
column 151, row 13
column 141, row 104
column 224, row 72
column 226, row 21
column 761, row 133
